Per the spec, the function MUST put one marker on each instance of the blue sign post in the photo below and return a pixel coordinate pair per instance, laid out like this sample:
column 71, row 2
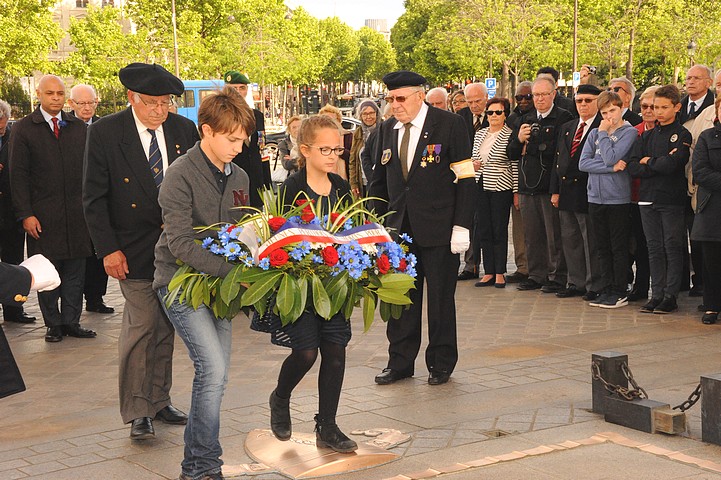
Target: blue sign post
column 491, row 87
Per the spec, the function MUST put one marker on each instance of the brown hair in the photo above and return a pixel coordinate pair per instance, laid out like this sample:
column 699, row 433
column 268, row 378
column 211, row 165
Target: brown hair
column 505, row 103
column 330, row 109
column 308, row 130
column 607, row 98
column 670, row 92
column 225, row 111
column 294, row 118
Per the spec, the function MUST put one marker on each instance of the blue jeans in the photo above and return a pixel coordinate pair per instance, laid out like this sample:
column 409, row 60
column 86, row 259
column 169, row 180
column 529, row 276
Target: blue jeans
column 208, row 341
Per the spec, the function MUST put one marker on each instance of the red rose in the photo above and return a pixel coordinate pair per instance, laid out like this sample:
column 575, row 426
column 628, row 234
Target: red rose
column 307, row 216
column 402, row 265
column 302, row 201
column 383, row 264
column 275, row 223
column 336, row 216
column 278, row 257
column 330, row 255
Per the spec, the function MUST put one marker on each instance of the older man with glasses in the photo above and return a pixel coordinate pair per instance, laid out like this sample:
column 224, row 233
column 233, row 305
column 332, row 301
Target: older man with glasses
column 625, row 89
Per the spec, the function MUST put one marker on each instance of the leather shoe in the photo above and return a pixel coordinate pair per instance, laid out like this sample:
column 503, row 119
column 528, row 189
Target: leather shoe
column 709, row 318
column 142, row 429
column 99, row 308
column 488, row 283
column 75, row 330
column 528, row 284
column 54, row 334
column 516, row 277
column 438, row 377
column 172, row 416
column 466, row 275
column 388, row 376
column 569, row 292
column 22, row 317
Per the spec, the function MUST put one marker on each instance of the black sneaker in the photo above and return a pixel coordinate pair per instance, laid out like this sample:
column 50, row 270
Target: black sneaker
column 529, row 284
column 601, row 299
column 614, row 301
column 651, row 305
column 667, row 305
column 590, row 296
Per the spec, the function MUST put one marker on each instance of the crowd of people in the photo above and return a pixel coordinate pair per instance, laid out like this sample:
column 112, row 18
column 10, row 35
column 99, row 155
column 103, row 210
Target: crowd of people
column 598, row 198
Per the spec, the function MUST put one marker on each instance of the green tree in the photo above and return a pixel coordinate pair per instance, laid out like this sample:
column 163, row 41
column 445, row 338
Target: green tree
column 376, row 56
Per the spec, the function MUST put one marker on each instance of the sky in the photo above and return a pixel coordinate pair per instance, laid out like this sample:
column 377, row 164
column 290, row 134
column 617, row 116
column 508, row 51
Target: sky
column 352, row 12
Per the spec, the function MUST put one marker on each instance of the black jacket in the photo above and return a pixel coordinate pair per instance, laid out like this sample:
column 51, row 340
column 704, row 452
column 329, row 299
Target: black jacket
column 467, row 116
column 430, row 199
column 632, row 117
column 298, row 182
column 536, row 164
column 7, row 216
column 566, row 179
column 706, row 164
column 119, row 195
column 662, row 178
column 683, row 115
column 250, row 160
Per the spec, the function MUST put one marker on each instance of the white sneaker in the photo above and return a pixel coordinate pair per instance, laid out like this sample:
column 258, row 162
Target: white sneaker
column 613, row 301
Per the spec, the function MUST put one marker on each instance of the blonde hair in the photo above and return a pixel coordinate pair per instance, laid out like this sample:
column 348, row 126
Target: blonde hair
column 309, row 129
column 331, row 110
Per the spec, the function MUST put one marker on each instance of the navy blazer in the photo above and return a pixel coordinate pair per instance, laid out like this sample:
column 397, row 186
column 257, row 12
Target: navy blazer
column 120, row 197
column 683, row 115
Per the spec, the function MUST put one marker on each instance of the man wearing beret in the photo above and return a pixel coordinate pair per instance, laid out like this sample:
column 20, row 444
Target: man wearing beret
column 424, row 172
column 125, row 158
column 251, row 159
column 568, row 194
column 46, row 178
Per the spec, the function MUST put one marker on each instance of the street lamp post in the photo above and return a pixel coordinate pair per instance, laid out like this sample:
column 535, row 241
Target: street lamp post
column 691, row 50
column 175, row 41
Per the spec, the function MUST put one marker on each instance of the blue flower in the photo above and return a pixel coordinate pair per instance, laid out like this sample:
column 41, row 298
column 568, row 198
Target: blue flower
column 264, row 264
column 348, row 224
column 232, row 250
column 300, row 251
column 317, row 259
column 216, row 249
column 207, row 242
column 405, row 237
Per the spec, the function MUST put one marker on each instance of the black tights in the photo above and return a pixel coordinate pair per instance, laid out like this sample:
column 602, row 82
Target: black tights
column 330, row 377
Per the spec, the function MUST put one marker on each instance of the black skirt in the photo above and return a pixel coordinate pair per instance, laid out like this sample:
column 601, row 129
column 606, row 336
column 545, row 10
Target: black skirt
column 306, row 333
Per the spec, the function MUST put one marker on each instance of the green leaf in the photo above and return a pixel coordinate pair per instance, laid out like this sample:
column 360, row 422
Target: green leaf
column 287, row 295
column 397, row 310
column 196, row 296
column 230, row 288
column 349, row 306
column 374, row 280
column 321, row 302
column 260, row 289
column 393, row 296
column 255, row 274
column 385, row 310
column 369, row 308
column 303, row 294
column 398, row 281
column 334, row 284
column 338, row 298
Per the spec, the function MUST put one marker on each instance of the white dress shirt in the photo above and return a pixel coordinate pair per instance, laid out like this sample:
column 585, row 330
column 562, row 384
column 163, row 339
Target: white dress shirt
column 416, row 129
column 145, row 139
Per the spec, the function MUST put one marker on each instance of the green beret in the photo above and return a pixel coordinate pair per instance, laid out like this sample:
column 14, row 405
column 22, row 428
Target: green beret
column 235, row 78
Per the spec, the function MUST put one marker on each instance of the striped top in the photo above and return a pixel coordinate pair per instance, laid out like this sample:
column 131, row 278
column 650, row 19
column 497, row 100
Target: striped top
column 498, row 172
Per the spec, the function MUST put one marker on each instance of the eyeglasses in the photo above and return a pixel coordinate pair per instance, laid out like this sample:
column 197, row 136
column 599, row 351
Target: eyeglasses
column 495, row 112
column 616, row 89
column 84, row 104
column 585, row 100
column 458, row 102
column 647, row 106
column 541, row 94
column 163, row 104
column 399, row 98
column 368, row 114
column 326, row 151
column 527, row 96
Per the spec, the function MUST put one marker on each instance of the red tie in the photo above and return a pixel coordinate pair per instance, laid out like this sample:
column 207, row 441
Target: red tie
column 56, row 129
column 577, row 138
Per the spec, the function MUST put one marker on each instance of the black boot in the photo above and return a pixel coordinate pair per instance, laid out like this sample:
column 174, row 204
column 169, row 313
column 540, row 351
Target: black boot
column 328, row 435
column 280, row 417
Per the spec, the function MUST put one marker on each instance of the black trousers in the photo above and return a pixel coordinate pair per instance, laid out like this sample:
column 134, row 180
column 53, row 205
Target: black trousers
column 437, row 267
column 639, row 252
column 491, row 238
column 96, row 280
column 696, row 258
column 665, row 234
column 12, row 245
column 610, row 229
column 711, row 277
column 70, row 294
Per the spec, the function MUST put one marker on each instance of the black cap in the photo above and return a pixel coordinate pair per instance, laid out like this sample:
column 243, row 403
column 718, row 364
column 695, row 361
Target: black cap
column 150, row 79
column 403, row 78
column 588, row 89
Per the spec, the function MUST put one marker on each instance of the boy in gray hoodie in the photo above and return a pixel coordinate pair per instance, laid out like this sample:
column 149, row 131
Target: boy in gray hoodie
column 604, row 157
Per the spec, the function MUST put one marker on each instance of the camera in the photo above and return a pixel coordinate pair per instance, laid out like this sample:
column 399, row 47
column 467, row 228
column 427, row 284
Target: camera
column 535, row 130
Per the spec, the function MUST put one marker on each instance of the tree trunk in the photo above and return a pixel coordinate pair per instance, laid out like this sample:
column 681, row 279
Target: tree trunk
column 505, row 80
column 631, row 45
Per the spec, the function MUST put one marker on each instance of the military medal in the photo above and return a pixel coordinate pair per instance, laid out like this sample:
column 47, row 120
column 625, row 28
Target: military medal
column 177, row 149
column 386, row 157
column 673, row 138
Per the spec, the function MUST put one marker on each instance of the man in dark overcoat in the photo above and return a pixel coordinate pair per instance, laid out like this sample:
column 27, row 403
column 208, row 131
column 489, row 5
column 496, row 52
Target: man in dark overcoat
column 46, row 174
column 424, row 172
column 126, row 156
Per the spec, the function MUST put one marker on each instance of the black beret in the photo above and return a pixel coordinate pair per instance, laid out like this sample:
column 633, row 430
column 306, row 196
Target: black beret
column 589, row 89
column 403, row 78
column 150, row 79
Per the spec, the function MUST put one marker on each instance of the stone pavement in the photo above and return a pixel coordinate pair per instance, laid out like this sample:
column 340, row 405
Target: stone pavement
column 517, row 406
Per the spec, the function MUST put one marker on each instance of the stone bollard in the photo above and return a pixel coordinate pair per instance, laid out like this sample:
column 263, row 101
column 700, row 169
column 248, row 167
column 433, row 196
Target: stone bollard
column 711, row 408
column 609, row 364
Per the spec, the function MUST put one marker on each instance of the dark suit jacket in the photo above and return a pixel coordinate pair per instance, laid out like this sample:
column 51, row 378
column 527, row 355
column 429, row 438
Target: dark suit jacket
column 467, row 116
column 566, row 179
column 683, row 115
column 46, row 177
column 250, row 160
column 566, row 104
column 14, row 284
column 632, row 117
column 119, row 195
column 7, row 216
column 430, row 199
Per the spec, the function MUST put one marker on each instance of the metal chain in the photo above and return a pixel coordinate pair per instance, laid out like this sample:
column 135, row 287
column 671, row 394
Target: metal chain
column 623, row 392
column 691, row 401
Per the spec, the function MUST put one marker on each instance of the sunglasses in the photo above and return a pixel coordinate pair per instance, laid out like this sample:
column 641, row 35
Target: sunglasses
column 495, row 112
column 585, row 100
column 616, row 89
column 646, row 106
column 399, row 98
column 528, row 96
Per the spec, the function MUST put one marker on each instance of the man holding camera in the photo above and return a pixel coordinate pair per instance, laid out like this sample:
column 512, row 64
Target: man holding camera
column 534, row 146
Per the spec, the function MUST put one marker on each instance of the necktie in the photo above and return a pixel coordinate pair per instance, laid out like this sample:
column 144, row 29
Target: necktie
column 404, row 149
column 691, row 108
column 155, row 159
column 577, row 138
column 56, row 128
column 540, row 118
column 477, row 124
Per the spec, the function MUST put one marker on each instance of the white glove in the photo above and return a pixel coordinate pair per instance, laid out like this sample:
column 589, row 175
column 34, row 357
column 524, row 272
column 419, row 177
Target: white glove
column 45, row 277
column 460, row 239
